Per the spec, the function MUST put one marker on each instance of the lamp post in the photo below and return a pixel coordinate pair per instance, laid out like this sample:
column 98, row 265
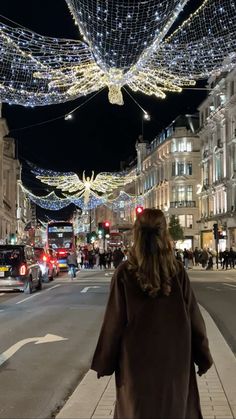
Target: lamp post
column 145, row 117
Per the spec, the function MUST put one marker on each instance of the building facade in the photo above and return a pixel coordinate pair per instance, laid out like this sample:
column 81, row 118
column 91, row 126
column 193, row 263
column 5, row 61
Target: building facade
column 15, row 209
column 217, row 194
column 169, row 174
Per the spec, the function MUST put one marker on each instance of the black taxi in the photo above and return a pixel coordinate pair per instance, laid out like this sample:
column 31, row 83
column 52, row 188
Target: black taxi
column 19, row 269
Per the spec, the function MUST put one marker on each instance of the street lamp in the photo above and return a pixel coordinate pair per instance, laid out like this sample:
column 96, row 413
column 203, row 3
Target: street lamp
column 145, row 117
column 68, row 116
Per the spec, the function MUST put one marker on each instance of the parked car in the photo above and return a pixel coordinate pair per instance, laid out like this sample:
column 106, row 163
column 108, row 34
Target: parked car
column 19, row 269
column 46, row 264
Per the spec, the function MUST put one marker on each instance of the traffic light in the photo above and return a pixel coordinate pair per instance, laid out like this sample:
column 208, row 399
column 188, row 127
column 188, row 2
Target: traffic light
column 100, row 230
column 106, row 228
column 138, row 210
column 215, row 231
column 91, row 237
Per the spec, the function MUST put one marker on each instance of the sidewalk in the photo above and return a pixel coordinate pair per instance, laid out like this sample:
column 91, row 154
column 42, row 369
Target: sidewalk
column 95, row 399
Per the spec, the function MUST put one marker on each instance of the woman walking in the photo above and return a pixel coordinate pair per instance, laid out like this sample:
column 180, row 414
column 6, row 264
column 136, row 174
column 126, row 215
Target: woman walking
column 153, row 331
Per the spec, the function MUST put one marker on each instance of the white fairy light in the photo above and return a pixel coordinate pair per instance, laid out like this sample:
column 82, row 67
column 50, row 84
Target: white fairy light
column 125, row 43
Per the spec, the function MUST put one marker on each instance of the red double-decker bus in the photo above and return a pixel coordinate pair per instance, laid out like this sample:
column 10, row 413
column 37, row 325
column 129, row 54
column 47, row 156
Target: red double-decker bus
column 61, row 238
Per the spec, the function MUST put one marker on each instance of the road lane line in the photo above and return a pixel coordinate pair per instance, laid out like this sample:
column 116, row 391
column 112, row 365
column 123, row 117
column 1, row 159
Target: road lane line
column 55, row 286
column 28, row 298
column 41, row 293
column 212, row 288
column 229, row 285
column 2, row 293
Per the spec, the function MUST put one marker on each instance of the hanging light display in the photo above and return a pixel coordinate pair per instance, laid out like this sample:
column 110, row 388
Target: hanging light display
column 122, row 201
column 50, row 202
column 54, row 203
column 94, row 187
column 124, row 43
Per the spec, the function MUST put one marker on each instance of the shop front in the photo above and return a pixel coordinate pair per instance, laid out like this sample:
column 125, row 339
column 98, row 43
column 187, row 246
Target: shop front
column 207, row 240
column 187, row 243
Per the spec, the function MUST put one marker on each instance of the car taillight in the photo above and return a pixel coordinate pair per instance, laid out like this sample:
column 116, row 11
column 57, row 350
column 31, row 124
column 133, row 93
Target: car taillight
column 23, row 270
column 45, row 258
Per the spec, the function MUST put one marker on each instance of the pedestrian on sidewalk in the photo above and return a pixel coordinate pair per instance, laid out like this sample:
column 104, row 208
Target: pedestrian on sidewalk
column 153, row 331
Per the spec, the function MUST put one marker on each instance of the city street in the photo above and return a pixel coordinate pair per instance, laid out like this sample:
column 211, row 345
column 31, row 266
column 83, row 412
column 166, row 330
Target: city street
column 216, row 292
column 37, row 377
column 39, row 372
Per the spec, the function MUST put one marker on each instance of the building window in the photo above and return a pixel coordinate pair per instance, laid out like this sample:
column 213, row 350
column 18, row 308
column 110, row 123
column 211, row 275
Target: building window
column 181, row 145
column 122, row 214
column 189, row 221
column 189, row 169
column 181, row 193
column 182, row 220
column 173, row 146
column 173, row 173
column 231, row 88
column 189, row 146
column 180, row 169
column 174, row 193
column 218, row 167
column 189, row 193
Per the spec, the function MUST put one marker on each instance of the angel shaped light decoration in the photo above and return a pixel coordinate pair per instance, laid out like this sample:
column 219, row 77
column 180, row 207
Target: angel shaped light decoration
column 99, row 186
column 124, row 43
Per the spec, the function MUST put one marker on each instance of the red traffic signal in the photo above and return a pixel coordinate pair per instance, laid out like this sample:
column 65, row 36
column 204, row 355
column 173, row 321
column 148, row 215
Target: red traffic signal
column 106, row 224
column 139, row 210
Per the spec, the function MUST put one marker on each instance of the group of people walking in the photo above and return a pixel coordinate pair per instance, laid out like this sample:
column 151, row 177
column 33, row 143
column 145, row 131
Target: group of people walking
column 206, row 258
column 84, row 258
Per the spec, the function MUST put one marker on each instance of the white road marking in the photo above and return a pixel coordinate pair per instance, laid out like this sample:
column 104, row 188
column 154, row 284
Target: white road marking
column 87, row 288
column 212, row 288
column 2, row 293
column 52, row 288
column 28, row 298
column 37, row 340
column 41, row 293
column 229, row 285
column 1, row 311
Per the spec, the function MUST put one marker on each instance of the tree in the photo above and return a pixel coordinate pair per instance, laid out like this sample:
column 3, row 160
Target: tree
column 175, row 228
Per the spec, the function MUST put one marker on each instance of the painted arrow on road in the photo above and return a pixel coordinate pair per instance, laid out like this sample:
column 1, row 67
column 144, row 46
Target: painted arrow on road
column 36, row 340
column 87, row 288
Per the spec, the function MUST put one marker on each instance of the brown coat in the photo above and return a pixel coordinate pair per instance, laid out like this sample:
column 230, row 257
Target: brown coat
column 152, row 344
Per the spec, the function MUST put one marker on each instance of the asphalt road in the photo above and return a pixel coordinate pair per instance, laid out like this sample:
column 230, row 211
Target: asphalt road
column 37, row 378
column 216, row 292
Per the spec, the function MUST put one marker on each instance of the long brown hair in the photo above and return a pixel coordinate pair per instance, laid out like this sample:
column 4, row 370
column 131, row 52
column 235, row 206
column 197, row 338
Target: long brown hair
column 152, row 257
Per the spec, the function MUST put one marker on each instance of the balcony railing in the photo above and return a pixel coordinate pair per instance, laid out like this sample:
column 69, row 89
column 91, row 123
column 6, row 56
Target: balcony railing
column 183, row 204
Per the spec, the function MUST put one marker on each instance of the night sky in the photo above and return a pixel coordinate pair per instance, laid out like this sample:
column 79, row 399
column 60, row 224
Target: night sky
column 100, row 135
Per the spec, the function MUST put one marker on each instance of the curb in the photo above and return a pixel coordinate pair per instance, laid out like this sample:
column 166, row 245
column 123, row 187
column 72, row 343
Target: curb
column 224, row 360
column 84, row 401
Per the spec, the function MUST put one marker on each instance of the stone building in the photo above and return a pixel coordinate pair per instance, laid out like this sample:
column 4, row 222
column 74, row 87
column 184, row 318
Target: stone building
column 217, row 193
column 15, row 210
column 169, row 174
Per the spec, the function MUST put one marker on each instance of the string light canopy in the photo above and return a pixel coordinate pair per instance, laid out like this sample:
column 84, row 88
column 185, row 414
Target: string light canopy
column 97, row 187
column 54, row 203
column 50, row 201
column 125, row 42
